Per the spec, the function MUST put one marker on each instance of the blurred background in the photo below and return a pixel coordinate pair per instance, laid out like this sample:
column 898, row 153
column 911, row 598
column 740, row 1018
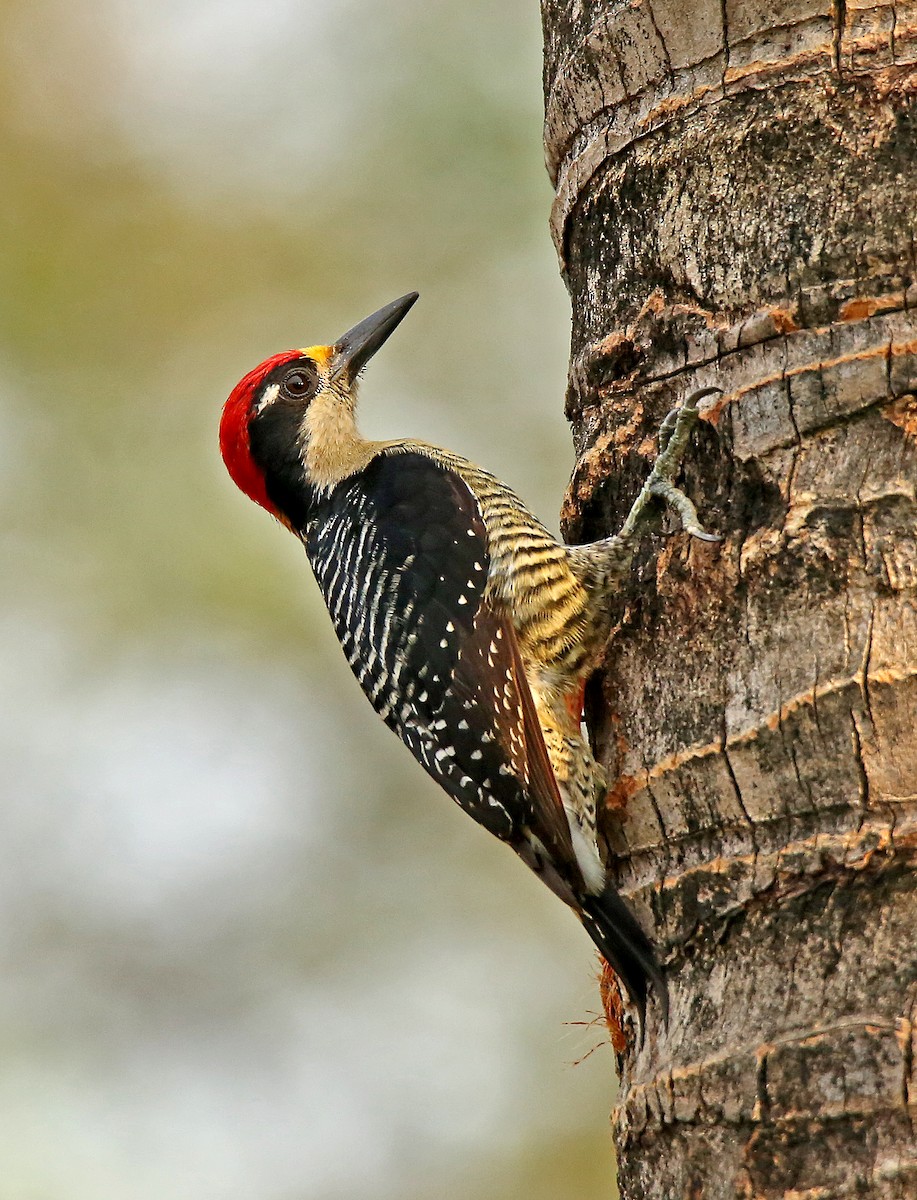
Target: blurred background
column 249, row 952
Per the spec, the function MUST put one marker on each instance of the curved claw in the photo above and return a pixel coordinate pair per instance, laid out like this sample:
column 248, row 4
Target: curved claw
column 703, row 536
column 687, row 513
column 686, row 412
column 692, row 400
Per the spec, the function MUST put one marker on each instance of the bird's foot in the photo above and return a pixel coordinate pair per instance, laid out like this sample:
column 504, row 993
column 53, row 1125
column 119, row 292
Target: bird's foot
column 674, row 435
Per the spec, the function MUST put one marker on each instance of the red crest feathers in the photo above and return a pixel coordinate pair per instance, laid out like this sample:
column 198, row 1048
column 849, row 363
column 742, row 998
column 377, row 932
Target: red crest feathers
column 234, row 440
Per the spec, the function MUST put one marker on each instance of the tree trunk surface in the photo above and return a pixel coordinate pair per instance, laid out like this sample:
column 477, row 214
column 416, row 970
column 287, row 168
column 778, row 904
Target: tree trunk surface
column 736, row 187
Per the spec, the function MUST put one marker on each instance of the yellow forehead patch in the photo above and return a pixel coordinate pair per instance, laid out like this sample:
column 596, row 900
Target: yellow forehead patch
column 320, row 355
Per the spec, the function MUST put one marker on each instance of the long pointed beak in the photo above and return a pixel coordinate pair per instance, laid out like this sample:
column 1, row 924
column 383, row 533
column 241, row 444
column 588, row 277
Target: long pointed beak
column 354, row 350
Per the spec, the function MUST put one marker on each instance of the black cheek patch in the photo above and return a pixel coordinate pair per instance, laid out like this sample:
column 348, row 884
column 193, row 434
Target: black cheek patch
column 274, row 440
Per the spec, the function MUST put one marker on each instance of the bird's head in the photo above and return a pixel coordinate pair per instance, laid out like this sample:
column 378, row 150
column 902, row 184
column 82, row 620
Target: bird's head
column 288, row 425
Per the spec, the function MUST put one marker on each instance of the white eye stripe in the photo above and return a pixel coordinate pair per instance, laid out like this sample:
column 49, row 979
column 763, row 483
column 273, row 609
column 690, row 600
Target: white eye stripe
column 270, row 395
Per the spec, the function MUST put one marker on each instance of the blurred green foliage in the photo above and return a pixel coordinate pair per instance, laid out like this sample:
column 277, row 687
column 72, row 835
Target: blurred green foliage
column 249, row 951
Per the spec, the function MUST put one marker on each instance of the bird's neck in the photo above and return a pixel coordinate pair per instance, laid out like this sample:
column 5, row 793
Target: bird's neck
column 333, row 447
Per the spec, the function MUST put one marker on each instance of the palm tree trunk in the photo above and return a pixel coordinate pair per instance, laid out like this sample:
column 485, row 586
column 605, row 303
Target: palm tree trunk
column 736, row 196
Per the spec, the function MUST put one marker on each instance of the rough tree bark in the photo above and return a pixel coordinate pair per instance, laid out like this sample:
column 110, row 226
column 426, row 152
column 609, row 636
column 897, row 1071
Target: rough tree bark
column 736, row 192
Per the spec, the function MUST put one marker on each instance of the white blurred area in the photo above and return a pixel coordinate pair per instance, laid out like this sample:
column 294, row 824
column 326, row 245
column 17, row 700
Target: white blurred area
column 248, row 950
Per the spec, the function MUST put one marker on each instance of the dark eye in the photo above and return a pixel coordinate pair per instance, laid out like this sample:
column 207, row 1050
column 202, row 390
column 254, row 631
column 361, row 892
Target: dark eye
column 298, row 383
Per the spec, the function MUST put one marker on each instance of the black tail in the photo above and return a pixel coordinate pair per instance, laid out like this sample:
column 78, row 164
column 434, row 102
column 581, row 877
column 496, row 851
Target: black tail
column 629, row 952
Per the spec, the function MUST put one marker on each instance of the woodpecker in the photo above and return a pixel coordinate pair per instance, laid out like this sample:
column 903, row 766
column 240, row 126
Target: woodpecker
column 471, row 630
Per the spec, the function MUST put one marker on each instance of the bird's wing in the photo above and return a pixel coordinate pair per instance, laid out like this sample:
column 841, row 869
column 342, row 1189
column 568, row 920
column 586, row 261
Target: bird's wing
column 400, row 554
